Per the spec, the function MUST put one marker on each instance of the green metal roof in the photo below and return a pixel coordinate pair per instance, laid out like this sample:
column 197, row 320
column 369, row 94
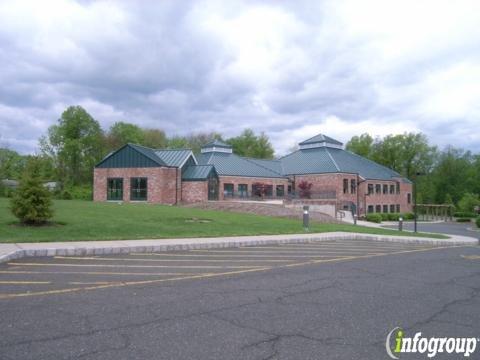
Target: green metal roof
column 320, row 138
column 331, row 160
column 233, row 165
column 217, row 143
column 132, row 155
column 274, row 165
column 174, row 157
column 197, row 172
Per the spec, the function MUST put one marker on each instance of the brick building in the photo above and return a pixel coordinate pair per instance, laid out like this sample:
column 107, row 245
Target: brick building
column 319, row 171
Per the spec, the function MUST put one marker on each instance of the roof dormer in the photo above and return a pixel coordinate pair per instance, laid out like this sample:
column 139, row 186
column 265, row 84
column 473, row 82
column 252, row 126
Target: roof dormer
column 216, row 146
column 320, row 140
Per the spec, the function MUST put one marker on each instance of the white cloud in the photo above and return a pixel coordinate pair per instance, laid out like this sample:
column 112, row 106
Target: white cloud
column 291, row 69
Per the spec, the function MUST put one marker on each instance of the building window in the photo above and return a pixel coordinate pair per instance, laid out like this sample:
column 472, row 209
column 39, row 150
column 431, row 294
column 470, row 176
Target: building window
column 398, row 208
column 280, row 190
column 289, row 189
column 353, row 186
column 370, row 209
column 268, row 190
column 115, row 189
column 409, row 198
column 138, row 189
column 370, row 189
column 242, row 190
column 227, row 190
column 345, row 186
column 392, row 189
column 398, row 187
column 392, row 208
column 378, row 188
column 378, row 208
column 385, row 189
column 385, row 208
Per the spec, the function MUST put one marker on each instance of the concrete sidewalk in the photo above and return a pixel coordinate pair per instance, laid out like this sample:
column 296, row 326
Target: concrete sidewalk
column 81, row 248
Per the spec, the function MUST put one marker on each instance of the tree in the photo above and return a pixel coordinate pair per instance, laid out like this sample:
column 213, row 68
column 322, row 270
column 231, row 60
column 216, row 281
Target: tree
column 75, row 144
column 11, row 164
column 361, row 145
column 250, row 145
column 31, row 203
column 154, row 138
column 122, row 133
column 468, row 202
column 193, row 141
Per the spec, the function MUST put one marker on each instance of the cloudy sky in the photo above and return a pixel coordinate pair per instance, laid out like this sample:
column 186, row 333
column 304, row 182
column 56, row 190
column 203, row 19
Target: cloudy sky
column 289, row 68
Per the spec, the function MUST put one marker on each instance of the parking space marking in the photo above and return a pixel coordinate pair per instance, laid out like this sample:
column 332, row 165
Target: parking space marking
column 24, row 282
column 205, row 255
column 283, row 252
column 139, row 266
column 471, row 257
column 166, row 260
column 313, row 259
column 91, row 273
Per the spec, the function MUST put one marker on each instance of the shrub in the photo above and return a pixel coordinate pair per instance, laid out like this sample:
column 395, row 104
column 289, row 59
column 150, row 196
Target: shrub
column 31, row 203
column 305, row 189
column 408, row 216
column 463, row 214
column 376, row 218
column 478, row 222
column 384, row 216
column 464, row 219
column 393, row 216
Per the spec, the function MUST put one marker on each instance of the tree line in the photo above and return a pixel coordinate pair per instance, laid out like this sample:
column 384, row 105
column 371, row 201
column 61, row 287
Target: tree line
column 447, row 176
column 72, row 147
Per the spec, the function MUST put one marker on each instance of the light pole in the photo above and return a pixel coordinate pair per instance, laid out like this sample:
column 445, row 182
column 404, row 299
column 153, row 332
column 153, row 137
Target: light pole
column 415, row 212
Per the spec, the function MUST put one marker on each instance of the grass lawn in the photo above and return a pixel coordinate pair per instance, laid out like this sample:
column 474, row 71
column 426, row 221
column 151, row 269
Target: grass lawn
column 86, row 220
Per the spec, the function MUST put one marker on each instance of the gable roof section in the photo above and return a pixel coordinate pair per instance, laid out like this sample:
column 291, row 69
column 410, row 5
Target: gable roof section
column 130, row 156
column 198, row 172
column 174, row 157
column 233, row 165
column 320, row 138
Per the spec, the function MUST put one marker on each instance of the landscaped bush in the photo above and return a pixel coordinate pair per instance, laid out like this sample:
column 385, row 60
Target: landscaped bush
column 464, row 214
column 32, row 203
column 408, row 216
column 384, row 216
column 464, row 219
column 376, row 218
column 478, row 222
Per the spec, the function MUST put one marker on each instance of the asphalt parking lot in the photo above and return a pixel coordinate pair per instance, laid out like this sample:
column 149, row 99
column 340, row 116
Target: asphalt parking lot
column 47, row 276
column 324, row 300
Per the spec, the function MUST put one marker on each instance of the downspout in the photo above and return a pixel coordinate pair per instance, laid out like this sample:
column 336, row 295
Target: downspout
column 176, row 186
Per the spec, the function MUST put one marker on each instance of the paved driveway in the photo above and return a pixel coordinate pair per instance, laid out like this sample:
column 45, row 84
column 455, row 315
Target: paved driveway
column 329, row 300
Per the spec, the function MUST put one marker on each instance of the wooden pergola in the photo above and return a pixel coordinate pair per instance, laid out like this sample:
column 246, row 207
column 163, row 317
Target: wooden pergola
column 434, row 212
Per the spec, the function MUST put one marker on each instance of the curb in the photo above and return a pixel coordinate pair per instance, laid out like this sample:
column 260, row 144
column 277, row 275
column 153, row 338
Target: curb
column 147, row 246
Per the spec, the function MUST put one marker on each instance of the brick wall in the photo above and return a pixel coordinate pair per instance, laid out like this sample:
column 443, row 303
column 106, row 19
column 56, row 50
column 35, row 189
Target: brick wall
column 161, row 183
column 334, row 182
column 235, row 180
column 386, row 199
column 194, row 191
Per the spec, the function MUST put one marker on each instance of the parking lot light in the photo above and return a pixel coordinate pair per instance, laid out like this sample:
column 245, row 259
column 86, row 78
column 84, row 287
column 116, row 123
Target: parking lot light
column 400, row 223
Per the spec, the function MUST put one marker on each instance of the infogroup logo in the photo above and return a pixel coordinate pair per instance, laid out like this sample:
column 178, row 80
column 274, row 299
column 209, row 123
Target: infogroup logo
column 429, row 346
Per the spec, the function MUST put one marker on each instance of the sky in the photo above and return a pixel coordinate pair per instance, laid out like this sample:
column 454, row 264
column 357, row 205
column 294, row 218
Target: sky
column 291, row 69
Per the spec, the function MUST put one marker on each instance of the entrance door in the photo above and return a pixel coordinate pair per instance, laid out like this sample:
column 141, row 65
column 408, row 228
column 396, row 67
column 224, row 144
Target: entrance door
column 213, row 188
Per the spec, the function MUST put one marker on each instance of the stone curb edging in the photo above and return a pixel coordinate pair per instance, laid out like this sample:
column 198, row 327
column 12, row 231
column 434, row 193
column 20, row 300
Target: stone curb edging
column 147, row 246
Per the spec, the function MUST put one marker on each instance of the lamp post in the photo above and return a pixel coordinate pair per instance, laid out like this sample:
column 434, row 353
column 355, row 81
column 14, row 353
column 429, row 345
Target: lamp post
column 415, row 212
